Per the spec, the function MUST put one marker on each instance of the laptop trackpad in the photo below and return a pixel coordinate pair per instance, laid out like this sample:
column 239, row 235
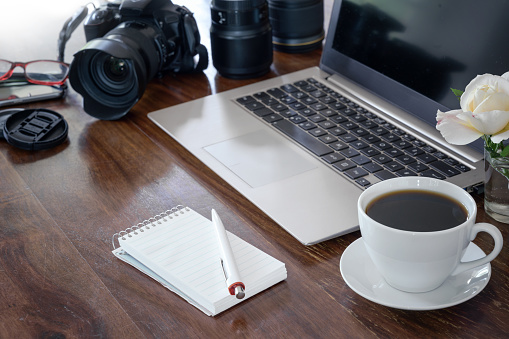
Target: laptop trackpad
column 259, row 158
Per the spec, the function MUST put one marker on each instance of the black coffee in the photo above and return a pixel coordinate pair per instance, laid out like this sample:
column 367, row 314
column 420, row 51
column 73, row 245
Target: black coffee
column 417, row 211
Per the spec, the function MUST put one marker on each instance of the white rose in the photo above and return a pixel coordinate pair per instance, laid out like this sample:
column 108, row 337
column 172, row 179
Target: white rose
column 484, row 111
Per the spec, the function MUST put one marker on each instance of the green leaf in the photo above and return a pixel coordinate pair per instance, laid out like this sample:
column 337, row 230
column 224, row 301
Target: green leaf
column 505, row 151
column 457, row 93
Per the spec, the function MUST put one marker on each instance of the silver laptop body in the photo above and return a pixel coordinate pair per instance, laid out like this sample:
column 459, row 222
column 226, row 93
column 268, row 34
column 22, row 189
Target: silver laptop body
column 305, row 195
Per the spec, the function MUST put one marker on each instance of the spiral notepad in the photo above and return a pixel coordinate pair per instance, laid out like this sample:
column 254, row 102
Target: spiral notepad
column 179, row 249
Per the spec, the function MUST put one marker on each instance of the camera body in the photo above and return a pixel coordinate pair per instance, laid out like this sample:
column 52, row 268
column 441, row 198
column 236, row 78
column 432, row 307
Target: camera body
column 128, row 44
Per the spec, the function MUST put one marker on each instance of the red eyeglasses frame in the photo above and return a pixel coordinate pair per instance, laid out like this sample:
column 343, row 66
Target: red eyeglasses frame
column 23, row 65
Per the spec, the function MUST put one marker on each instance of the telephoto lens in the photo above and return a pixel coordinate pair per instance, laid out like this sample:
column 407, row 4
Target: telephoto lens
column 297, row 25
column 241, row 38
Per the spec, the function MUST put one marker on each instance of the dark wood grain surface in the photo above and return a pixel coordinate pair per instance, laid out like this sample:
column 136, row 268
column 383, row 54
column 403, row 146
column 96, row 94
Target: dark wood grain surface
column 60, row 207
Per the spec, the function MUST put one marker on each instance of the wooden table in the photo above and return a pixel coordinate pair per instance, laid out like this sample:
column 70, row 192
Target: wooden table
column 60, row 207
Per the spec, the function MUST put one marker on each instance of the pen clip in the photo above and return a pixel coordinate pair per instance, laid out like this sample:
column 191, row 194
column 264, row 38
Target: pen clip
column 224, row 271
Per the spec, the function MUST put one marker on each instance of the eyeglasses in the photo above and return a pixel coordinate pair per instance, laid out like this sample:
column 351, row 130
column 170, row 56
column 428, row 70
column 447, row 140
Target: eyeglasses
column 40, row 72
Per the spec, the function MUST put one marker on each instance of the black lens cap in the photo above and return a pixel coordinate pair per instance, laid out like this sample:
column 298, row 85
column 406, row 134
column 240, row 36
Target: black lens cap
column 33, row 129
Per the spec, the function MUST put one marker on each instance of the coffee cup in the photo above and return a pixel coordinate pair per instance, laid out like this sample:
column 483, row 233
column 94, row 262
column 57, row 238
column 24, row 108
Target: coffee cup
column 413, row 241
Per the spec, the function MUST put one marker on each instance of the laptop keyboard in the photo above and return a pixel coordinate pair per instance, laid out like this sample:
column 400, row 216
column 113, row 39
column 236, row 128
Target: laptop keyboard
column 347, row 136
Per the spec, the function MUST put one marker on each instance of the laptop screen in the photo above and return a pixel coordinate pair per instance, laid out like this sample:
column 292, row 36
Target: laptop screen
column 412, row 52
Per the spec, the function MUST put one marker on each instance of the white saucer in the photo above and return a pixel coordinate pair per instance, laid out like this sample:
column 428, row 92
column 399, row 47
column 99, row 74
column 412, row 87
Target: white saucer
column 361, row 275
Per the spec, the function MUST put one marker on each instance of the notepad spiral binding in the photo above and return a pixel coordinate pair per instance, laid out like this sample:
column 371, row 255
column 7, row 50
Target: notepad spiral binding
column 150, row 222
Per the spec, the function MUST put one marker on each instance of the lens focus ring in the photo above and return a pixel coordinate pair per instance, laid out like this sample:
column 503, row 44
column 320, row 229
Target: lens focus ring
column 233, row 5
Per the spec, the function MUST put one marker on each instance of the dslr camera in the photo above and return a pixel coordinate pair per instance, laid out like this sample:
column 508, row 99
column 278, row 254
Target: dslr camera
column 128, row 44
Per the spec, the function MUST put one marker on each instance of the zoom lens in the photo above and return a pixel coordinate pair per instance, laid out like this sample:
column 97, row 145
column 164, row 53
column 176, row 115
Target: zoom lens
column 241, row 38
column 111, row 73
column 297, row 25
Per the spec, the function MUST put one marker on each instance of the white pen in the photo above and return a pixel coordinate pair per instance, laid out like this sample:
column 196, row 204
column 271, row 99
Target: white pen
column 233, row 280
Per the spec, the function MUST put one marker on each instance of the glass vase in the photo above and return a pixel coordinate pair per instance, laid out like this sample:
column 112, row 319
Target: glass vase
column 496, row 187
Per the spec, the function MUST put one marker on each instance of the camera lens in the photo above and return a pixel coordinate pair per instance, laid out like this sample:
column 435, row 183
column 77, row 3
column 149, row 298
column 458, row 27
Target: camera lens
column 241, row 38
column 297, row 25
column 111, row 73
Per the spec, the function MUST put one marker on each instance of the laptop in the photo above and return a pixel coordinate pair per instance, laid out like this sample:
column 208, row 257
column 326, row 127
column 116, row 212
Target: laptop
column 295, row 145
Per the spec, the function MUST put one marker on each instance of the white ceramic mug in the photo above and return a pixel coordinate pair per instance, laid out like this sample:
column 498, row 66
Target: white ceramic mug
column 422, row 261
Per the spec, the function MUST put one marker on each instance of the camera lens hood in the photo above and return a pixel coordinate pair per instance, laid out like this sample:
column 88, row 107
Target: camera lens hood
column 97, row 100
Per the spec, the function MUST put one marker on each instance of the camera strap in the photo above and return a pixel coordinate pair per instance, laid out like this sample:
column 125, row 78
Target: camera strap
column 69, row 27
column 191, row 43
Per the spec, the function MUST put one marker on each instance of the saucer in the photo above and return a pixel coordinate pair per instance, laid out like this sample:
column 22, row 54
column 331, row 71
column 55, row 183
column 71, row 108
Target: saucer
column 361, row 275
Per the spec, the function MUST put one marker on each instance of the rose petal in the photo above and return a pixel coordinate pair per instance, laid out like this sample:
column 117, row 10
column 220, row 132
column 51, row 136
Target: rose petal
column 504, row 134
column 497, row 101
column 490, row 122
column 481, row 85
column 455, row 127
column 505, row 75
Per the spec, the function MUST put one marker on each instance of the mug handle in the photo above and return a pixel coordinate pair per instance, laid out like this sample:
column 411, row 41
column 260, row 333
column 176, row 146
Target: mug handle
column 495, row 234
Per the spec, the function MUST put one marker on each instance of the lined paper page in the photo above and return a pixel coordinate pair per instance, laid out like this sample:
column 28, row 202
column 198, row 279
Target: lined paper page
column 185, row 252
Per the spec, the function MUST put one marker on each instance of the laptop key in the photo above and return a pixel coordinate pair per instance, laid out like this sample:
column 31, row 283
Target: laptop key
column 261, row 96
column 418, row 167
column 288, row 100
column 254, row 105
column 347, row 137
column 328, row 113
column 381, row 158
column 316, row 118
column 338, row 145
column 432, row 174
column 426, row 158
column 370, row 151
column 361, row 160
column 444, row 168
column 363, row 182
column 289, row 88
column 451, row 161
column 394, row 152
column 390, row 137
column 372, row 167
column 261, row 112
column 393, row 166
column 413, row 151
column 339, row 119
column 344, row 165
column 276, row 93
column 384, row 175
column 245, row 99
column 319, row 106
column 337, row 106
column 337, row 131
column 356, row 172
column 328, row 139
column 302, row 137
column 306, row 125
column 349, row 152
column 326, row 124
column 405, row 159
column 333, row 157
column 405, row 173
column 297, row 119
column 307, row 112
column 317, row 94
column 462, row 168
column 317, row 132
column 382, row 145
column 272, row 118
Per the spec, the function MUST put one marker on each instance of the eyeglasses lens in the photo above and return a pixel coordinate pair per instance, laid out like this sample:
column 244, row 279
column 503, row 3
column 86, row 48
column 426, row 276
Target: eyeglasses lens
column 46, row 71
